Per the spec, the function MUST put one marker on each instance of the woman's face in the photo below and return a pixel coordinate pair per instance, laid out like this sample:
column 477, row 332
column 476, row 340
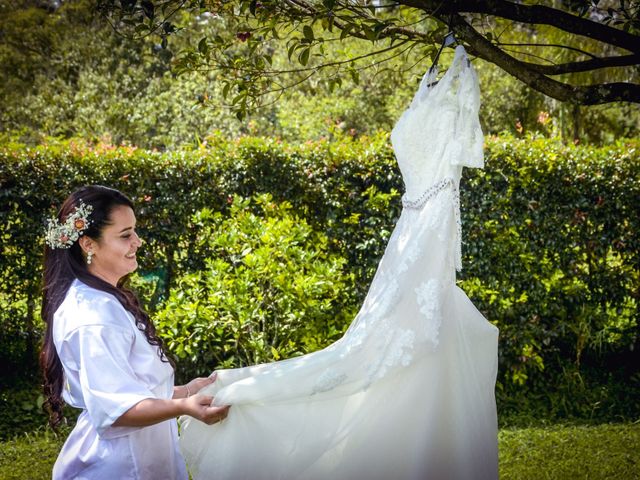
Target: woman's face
column 114, row 255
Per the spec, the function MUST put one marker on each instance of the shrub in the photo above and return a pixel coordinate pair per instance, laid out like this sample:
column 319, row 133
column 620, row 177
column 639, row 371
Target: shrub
column 269, row 289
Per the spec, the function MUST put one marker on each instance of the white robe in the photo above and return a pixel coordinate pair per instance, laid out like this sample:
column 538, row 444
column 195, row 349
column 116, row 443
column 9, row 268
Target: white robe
column 109, row 367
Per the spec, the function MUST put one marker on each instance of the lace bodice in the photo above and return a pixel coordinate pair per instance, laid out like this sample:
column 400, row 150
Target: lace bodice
column 440, row 131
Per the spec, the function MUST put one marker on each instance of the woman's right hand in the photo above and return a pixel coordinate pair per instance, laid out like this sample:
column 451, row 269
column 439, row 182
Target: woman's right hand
column 199, row 407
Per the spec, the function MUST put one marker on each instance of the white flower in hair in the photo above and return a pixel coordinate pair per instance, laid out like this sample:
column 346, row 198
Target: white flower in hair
column 63, row 235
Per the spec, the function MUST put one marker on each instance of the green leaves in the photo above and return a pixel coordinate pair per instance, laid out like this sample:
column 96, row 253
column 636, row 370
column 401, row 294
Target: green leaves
column 308, row 33
column 203, row 46
column 303, row 57
column 148, row 9
column 270, row 289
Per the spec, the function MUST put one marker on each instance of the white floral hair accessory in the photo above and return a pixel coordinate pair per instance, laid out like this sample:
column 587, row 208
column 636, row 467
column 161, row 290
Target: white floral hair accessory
column 63, row 235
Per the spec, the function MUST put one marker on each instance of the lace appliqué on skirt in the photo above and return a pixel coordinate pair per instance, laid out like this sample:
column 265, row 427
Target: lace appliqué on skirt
column 328, row 381
column 396, row 350
column 429, row 299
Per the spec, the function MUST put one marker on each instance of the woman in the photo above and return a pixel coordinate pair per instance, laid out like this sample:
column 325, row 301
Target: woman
column 101, row 352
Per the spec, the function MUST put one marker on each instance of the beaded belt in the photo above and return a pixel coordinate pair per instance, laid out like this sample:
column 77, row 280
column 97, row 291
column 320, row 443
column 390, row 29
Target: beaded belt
column 431, row 192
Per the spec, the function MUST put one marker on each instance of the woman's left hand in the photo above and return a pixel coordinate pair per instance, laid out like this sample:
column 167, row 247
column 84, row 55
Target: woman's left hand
column 197, row 384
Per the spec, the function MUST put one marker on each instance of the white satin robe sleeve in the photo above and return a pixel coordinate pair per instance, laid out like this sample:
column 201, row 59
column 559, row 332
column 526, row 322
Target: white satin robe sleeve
column 108, row 383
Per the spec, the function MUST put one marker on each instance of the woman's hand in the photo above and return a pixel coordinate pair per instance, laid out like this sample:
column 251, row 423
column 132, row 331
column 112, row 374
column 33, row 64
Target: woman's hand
column 194, row 386
column 155, row 410
column 200, row 408
column 185, row 401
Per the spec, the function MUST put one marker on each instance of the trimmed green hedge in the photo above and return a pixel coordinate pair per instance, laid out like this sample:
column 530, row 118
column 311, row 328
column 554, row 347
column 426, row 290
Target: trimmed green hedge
column 551, row 246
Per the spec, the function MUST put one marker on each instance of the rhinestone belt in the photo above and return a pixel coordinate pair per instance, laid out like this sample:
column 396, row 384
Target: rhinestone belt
column 431, row 192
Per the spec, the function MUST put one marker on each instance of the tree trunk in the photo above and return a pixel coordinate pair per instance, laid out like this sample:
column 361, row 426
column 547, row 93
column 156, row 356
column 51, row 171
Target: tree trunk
column 577, row 123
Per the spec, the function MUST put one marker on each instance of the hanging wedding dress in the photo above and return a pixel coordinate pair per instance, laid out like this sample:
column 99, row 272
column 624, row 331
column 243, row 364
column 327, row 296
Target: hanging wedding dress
column 408, row 392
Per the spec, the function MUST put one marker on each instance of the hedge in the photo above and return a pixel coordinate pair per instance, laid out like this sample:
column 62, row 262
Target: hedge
column 550, row 253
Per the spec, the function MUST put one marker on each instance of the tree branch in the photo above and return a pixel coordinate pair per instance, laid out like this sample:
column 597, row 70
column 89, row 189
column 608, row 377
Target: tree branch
column 584, row 66
column 305, row 8
column 539, row 14
column 584, row 95
column 566, row 47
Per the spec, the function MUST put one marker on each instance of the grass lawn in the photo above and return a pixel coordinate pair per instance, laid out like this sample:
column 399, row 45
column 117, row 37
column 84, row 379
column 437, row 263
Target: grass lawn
column 30, row 456
column 610, row 451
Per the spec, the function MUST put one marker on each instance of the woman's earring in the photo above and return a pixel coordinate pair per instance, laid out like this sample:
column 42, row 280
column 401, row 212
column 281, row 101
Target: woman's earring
column 89, row 255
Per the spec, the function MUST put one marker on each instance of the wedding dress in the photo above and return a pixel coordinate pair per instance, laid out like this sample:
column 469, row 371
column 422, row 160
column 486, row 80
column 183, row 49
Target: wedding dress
column 408, row 391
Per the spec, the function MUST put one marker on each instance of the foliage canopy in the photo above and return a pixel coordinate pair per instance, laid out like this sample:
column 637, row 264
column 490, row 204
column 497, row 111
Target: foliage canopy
column 594, row 36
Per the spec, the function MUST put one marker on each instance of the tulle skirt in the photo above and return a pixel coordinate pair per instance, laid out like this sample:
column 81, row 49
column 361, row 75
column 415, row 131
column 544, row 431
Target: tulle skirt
column 434, row 418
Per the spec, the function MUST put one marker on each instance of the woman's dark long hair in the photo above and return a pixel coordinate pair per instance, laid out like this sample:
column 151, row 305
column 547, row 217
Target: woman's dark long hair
column 61, row 267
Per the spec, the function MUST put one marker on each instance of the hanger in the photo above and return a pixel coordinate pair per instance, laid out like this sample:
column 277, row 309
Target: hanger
column 449, row 39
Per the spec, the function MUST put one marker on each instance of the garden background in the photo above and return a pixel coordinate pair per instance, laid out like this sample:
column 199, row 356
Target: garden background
column 262, row 234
